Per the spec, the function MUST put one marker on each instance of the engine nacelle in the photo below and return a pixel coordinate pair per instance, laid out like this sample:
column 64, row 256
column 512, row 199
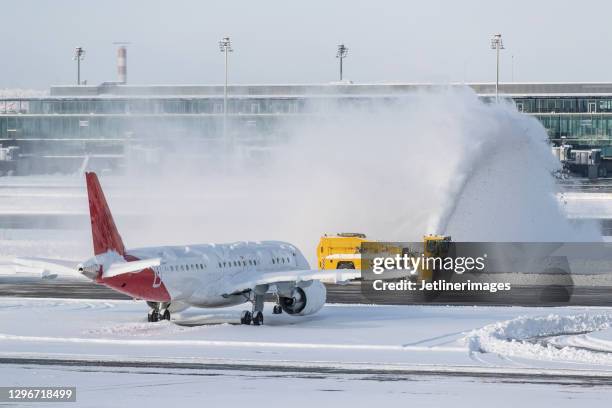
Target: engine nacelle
column 305, row 300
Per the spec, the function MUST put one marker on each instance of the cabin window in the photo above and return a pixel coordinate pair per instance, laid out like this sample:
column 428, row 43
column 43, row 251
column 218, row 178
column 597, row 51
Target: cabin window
column 219, row 264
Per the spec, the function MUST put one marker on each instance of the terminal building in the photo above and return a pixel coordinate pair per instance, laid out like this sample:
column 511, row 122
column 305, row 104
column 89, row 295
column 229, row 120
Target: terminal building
column 106, row 123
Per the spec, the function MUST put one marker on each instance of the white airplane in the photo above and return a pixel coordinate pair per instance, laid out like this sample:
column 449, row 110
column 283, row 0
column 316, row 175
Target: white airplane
column 173, row 278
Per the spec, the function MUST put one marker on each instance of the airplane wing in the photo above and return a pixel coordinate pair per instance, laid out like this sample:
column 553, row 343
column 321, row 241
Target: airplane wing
column 249, row 280
column 48, row 268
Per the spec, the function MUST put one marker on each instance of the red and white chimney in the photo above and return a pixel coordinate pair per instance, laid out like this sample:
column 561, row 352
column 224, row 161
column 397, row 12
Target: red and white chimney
column 122, row 64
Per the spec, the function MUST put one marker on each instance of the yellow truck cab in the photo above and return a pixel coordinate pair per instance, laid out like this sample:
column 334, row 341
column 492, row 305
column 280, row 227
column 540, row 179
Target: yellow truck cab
column 340, row 251
column 434, row 246
column 343, row 250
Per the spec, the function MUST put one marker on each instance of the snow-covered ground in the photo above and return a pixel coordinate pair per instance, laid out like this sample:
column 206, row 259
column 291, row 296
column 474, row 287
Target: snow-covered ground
column 586, row 204
column 425, row 354
column 359, row 355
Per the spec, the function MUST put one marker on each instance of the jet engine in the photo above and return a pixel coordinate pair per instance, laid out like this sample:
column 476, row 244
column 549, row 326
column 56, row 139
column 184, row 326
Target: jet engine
column 305, row 299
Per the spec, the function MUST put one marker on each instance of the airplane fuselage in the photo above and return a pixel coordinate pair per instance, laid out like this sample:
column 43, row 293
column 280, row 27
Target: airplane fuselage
column 197, row 275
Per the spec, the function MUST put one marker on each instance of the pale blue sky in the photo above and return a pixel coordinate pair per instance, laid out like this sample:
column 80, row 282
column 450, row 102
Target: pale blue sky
column 279, row 41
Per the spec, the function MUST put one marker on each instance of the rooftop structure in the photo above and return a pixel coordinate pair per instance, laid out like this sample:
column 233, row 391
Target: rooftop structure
column 104, row 120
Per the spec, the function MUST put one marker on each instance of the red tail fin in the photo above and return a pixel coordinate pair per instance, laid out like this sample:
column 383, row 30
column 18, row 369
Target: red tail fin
column 103, row 229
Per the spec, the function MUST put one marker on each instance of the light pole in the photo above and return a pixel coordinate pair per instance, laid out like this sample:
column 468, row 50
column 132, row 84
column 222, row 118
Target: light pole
column 497, row 44
column 79, row 55
column 225, row 46
column 341, row 54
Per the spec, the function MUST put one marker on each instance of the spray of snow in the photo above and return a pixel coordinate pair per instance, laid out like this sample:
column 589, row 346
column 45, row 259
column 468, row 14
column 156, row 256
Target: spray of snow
column 434, row 162
column 517, row 338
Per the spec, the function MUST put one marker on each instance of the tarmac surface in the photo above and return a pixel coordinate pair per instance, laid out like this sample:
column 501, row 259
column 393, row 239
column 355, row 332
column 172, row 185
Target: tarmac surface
column 352, row 293
column 527, row 376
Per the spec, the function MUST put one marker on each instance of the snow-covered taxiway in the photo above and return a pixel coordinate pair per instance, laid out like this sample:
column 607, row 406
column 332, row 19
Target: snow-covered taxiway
column 433, row 355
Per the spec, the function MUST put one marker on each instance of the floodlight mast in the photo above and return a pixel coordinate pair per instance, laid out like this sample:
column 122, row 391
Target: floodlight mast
column 79, row 55
column 225, row 46
column 497, row 44
column 341, row 54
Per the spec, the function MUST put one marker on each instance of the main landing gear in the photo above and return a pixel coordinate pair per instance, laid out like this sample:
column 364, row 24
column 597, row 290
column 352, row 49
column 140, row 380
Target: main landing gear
column 158, row 312
column 256, row 316
column 246, row 317
column 156, row 316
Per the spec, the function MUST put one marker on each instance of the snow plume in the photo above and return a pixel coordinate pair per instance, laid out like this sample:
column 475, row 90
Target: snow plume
column 526, row 337
column 431, row 162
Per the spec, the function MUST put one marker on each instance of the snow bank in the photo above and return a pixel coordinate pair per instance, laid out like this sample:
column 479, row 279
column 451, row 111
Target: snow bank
column 526, row 337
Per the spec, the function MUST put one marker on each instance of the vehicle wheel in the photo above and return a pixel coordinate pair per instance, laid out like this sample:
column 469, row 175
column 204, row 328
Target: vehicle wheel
column 277, row 309
column 154, row 316
column 257, row 318
column 245, row 317
column 346, row 265
column 166, row 315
